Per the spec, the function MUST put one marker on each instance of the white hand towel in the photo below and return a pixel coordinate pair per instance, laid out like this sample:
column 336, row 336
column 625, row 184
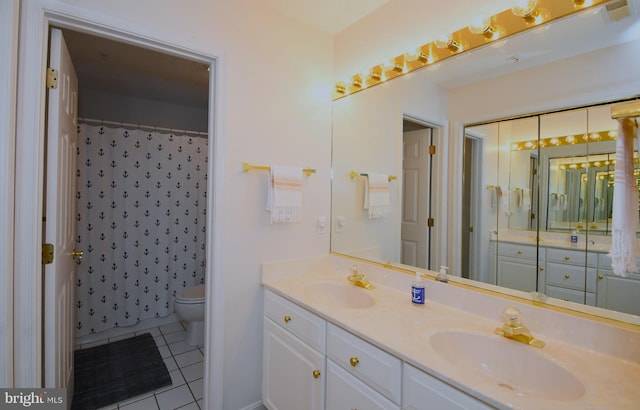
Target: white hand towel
column 526, row 199
column 376, row 195
column 284, row 194
column 625, row 202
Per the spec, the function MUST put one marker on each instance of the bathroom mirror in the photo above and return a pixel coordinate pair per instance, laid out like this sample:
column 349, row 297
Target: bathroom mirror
column 369, row 136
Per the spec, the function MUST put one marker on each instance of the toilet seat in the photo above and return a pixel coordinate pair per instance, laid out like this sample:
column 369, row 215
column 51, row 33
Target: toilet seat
column 191, row 295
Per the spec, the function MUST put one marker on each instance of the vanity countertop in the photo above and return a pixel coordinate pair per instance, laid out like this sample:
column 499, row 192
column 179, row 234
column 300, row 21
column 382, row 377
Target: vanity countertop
column 402, row 329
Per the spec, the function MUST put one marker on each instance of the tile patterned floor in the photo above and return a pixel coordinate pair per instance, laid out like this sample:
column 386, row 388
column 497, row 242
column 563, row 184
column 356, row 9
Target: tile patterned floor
column 186, row 367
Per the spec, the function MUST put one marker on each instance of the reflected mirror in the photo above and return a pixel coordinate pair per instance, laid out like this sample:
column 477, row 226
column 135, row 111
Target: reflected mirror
column 475, row 188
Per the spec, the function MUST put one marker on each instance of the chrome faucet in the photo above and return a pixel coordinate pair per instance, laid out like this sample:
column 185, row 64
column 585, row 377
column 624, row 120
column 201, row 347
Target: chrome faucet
column 515, row 330
column 358, row 278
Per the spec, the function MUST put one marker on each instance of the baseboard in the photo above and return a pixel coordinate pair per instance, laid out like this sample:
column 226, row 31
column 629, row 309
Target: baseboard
column 255, row 406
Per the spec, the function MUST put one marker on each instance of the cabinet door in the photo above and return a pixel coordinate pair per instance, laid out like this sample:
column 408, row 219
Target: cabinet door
column 292, row 372
column 345, row 391
column 422, row 391
column 519, row 274
column 618, row 293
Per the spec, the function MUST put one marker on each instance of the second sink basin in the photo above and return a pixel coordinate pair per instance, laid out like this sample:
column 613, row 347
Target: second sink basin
column 511, row 365
column 340, row 295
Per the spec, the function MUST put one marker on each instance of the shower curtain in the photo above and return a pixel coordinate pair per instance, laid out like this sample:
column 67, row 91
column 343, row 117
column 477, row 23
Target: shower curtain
column 141, row 219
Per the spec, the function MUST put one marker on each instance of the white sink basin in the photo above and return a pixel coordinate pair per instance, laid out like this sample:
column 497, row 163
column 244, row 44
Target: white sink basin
column 524, row 369
column 340, row 295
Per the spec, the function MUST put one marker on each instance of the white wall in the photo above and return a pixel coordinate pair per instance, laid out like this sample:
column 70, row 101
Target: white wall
column 101, row 105
column 275, row 109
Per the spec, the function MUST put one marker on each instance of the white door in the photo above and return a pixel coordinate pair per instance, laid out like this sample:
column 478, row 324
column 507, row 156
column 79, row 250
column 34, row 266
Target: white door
column 59, row 226
column 415, row 207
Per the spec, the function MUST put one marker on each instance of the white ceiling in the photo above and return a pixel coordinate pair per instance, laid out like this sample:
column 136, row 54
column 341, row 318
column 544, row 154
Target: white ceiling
column 119, row 68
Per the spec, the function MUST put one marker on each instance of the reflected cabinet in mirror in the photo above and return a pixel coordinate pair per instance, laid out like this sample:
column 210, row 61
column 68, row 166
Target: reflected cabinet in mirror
column 545, row 205
column 425, row 174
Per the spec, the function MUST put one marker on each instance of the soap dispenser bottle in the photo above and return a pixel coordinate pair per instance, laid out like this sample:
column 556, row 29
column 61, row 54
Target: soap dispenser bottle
column 417, row 291
column 442, row 275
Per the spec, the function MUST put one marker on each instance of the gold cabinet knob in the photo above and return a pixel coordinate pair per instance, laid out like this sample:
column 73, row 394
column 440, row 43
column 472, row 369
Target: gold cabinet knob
column 600, row 277
column 76, row 254
column 354, row 361
column 541, row 268
column 316, row 374
column 519, row 252
column 566, row 258
column 567, row 276
column 287, row 319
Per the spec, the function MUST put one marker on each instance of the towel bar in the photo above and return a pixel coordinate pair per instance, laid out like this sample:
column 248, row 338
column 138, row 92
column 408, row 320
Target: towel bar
column 246, row 167
column 354, row 174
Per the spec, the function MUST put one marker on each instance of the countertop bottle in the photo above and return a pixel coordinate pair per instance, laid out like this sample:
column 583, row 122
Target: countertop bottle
column 417, row 291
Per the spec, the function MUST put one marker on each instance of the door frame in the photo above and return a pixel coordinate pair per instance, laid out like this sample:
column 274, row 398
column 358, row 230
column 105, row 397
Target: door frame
column 475, row 219
column 9, row 16
column 35, row 20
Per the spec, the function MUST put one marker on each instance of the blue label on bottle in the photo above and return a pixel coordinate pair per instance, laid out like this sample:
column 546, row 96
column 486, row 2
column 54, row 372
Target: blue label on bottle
column 417, row 295
column 574, row 238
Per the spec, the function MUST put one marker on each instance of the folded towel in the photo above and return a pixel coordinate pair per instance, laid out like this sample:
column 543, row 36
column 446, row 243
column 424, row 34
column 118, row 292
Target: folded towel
column 625, row 202
column 284, row 195
column 376, row 195
column 526, row 199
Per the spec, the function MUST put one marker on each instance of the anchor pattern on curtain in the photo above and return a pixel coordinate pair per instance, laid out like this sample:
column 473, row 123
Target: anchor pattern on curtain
column 141, row 222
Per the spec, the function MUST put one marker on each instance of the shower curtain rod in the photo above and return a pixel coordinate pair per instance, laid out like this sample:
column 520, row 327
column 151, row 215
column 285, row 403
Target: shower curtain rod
column 141, row 126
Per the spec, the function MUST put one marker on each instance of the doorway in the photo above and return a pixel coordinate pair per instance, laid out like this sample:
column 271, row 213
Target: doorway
column 417, row 171
column 124, row 85
column 470, row 223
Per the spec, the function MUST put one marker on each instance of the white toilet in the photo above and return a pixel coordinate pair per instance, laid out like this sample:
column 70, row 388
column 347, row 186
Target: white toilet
column 189, row 305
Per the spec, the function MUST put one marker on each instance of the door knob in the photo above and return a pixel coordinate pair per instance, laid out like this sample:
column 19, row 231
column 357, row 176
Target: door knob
column 76, row 254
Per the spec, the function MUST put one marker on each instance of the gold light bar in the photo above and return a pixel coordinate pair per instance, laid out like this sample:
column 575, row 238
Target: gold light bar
column 246, row 167
column 565, row 140
column 626, row 110
column 464, row 39
column 354, row 174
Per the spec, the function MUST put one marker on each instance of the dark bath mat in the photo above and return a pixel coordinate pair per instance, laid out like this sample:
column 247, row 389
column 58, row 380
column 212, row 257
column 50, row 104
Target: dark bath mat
column 117, row 371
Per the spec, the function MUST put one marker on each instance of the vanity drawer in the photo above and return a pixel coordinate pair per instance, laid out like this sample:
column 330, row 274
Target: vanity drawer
column 345, row 391
column 296, row 320
column 373, row 366
column 571, row 276
column 516, row 250
column 604, row 261
column 572, row 257
column 571, row 295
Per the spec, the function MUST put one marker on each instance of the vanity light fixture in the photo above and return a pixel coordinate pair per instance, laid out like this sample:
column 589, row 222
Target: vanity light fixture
column 449, row 43
column 485, row 28
column 564, row 140
column 525, row 15
column 530, row 12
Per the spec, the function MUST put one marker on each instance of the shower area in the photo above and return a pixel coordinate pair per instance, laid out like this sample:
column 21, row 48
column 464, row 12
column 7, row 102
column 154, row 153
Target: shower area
column 141, row 220
column 141, row 184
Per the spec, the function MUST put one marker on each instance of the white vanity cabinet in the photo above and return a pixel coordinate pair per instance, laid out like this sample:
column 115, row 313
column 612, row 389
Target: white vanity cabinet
column 615, row 292
column 423, row 391
column 293, row 368
column 517, row 266
column 371, row 365
column 571, row 275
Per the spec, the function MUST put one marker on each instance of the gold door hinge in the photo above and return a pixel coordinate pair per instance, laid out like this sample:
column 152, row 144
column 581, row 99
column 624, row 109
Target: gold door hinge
column 430, row 222
column 471, row 229
column 47, row 253
column 432, row 149
column 52, row 78
column 535, row 171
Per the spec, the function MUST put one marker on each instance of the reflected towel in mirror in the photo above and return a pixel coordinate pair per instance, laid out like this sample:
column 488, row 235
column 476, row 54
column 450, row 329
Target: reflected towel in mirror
column 376, row 195
column 625, row 202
